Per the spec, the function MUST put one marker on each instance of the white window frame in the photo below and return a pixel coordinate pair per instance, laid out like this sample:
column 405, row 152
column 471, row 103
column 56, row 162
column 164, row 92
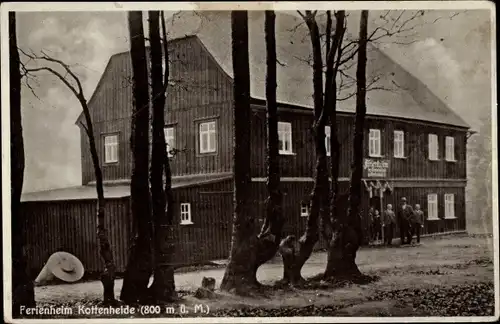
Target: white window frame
column 285, row 136
column 208, row 129
column 450, row 148
column 111, row 148
column 304, row 209
column 328, row 134
column 169, row 133
column 399, row 144
column 374, row 143
column 185, row 214
column 432, row 207
column 449, row 206
column 433, row 147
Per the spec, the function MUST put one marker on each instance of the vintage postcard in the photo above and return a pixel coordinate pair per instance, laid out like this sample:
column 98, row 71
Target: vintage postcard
column 249, row 162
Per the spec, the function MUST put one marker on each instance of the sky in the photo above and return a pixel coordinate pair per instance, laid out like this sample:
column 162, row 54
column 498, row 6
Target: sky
column 451, row 56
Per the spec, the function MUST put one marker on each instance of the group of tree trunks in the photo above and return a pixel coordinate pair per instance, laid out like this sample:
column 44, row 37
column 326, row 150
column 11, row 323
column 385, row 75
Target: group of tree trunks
column 152, row 209
column 151, row 253
column 342, row 231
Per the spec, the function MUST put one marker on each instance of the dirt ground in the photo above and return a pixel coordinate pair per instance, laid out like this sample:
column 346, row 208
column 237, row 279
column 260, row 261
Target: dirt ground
column 449, row 275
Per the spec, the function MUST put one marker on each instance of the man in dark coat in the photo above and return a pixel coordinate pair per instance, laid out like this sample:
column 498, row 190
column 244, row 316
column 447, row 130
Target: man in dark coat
column 405, row 212
column 417, row 222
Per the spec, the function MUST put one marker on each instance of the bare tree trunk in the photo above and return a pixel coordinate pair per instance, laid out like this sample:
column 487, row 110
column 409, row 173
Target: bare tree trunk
column 342, row 263
column 240, row 272
column 163, row 287
column 270, row 235
column 23, row 293
column 139, row 267
column 108, row 274
column 294, row 260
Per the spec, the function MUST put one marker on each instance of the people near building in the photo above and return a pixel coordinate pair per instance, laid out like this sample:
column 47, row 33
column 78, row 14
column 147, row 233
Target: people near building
column 417, row 222
column 388, row 223
column 371, row 213
column 405, row 212
column 376, row 227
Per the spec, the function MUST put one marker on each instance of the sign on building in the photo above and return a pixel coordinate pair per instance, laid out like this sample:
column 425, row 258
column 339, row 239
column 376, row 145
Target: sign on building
column 375, row 168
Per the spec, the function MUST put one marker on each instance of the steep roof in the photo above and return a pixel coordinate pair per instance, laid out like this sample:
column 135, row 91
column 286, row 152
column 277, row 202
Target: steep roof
column 410, row 99
column 404, row 96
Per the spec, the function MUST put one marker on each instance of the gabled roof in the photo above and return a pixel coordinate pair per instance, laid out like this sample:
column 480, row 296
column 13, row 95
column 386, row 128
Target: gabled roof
column 404, row 96
column 411, row 99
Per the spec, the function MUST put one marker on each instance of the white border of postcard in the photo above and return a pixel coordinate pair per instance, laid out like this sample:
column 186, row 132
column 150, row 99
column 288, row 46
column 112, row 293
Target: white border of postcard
column 283, row 6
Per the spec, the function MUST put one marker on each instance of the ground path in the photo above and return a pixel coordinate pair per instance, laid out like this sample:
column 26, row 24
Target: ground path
column 438, row 261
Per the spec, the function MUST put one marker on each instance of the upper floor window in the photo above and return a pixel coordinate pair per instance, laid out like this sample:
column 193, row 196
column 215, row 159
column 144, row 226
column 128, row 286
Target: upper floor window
column 169, row 133
column 186, row 214
column 285, row 138
column 208, row 137
column 450, row 148
column 399, row 144
column 432, row 206
column 327, row 141
column 449, row 206
column 433, row 147
column 374, row 148
column 111, row 148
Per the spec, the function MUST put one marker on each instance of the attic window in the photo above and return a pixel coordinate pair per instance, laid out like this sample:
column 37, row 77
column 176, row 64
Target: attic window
column 111, row 148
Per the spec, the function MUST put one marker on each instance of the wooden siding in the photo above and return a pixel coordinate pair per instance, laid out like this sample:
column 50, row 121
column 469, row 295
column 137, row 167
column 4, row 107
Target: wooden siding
column 209, row 237
column 301, row 163
column 199, row 89
column 70, row 226
column 415, row 164
column 419, row 196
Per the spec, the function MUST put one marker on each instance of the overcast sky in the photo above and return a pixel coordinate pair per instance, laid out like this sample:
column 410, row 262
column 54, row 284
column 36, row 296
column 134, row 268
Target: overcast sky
column 452, row 57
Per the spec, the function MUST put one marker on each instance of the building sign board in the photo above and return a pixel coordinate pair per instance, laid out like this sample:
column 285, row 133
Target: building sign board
column 375, row 168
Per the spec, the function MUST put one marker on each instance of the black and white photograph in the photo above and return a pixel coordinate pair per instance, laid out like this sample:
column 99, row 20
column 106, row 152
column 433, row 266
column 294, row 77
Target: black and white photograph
column 249, row 162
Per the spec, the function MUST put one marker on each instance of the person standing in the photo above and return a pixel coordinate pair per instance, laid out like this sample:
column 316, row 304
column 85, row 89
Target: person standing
column 404, row 214
column 371, row 213
column 417, row 222
column 377, row 227
column 388, row 221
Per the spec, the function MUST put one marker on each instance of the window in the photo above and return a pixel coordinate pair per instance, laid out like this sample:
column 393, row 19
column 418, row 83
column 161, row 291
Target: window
column 169, row 133
column 285, row 138
column 186, row 214
column 399, row 144
column 449, row 206
column 432, row 206
column 327, row 141
column 111, row 148
column 374, row 142
column 433, row 147
column 304, row 209
column 208, row 137
column 450, row 148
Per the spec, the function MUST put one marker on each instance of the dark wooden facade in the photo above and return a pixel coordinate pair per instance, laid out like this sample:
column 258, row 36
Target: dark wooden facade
column 198, row 91
column 415, row 165
column 201, row 91
column 70, row 226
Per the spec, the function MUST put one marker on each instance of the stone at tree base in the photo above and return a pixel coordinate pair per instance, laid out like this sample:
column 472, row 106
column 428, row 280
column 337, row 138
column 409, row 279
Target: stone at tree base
column 207, row 289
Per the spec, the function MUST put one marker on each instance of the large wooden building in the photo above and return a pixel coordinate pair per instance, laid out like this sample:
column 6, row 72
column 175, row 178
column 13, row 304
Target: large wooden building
column 415, row 146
